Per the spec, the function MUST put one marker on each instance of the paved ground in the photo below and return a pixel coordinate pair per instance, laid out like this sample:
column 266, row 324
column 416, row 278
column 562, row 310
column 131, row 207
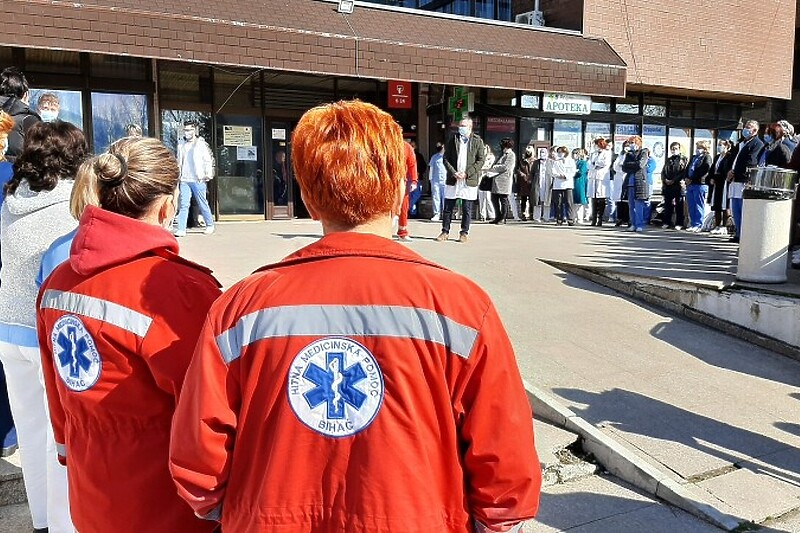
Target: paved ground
column 713, row 411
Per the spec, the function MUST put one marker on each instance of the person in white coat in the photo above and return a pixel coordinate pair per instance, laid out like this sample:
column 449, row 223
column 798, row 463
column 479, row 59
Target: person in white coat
column 485, row 207
column 599, row 180
column 619, row 206
column 563, row 182
column 197, row 168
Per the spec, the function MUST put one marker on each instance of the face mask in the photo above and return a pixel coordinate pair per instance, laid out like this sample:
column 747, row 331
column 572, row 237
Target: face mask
column 675, row 152
column 699, row 151
column 768, row 139
column 463, row 131
column 747, row 134
column 48, row 115
column 721, row 148
column 559, row 156
column 626, row 148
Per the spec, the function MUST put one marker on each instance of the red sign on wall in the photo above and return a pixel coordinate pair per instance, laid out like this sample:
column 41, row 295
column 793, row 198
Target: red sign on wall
column 400, row 95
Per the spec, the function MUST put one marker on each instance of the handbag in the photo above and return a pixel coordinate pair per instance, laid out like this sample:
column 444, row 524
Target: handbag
column 486, row 183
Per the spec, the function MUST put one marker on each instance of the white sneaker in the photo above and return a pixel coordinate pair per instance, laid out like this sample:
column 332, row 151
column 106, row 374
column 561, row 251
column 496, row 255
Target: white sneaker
column 180, row 234
column 405, row 238
column 436, row 218
column 209, row 230
column 639, row 230
column 678, row 228
column 665, row 226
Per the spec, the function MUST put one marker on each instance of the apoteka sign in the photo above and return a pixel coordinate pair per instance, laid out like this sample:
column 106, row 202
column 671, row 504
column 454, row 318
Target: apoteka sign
column 567, row 104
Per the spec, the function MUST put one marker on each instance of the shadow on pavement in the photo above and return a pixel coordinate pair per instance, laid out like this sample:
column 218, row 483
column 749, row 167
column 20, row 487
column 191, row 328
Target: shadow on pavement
column 631, row 412
column 794, row 429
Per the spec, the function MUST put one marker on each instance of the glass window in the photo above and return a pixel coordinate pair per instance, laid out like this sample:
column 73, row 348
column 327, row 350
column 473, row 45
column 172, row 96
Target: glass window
column 365, row 90
column 52, row 61
column 111, row 115
column 298, row 91
column 504, row 10
column 596, row 130
column 704, row 135
column 680, row 109
column 532, row 130
column 567, row 133
column 497, row 129
column 484, row 9
column 124, row 67
column 729, row 112
column 240, row 181
column 502, row 97
column 67, row 105
column 705, row 110
column 682, row 136
column 234, row 90
column 628, row 105
column 654, row 138
column 6, row 56
column 184, row 83
column 601, row 105
column 530, row 101
column 655, row 110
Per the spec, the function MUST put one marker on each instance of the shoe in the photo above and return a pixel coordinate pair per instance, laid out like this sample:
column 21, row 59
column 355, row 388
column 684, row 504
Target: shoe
column 442, row 237
column 665, row 226
column 209, row 230
column 523, row 218
column 630, row 228
column 678, row 228
column 180, row 234
column 40, row 530
column 537, row 220
column 201, row 223
column 404, row 238
column 734, row 239
column 796, row 259
column 462, row 238
column 436, row 218
column 570, row 223
column 639, row 230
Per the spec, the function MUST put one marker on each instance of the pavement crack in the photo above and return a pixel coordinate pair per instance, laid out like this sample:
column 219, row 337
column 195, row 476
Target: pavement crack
column 710, row 474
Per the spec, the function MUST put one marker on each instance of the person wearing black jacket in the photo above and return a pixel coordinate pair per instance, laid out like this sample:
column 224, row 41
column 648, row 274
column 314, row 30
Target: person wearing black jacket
column 672, row 177
column 776, row 152
column 696, row 184
column 14, row 95
column 747, row 157
column 717, row 184
column 635, row 167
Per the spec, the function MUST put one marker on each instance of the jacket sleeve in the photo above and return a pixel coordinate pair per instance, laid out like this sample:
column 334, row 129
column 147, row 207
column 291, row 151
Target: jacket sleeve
column 411, row 164
column 57, row 414
column 495, row 425
column 474, row 169
column 207, row 162
column 507, row 166
column 450, row 154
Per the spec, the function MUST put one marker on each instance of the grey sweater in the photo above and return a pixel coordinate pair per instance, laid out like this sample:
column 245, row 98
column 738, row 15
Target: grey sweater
column 29, row 223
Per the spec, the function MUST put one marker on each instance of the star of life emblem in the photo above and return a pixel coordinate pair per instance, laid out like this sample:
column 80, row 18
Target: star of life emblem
column 335, row 387
column 74, row 354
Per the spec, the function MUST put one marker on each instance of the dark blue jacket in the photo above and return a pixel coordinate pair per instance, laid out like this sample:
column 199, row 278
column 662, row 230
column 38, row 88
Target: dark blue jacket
column 747, row 157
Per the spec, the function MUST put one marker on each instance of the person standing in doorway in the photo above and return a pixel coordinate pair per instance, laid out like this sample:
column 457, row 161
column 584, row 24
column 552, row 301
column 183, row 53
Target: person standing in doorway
column 463, row 158
column 438, row 175
column 197, row 169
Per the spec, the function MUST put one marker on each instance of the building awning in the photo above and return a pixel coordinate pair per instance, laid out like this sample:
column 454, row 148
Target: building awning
column 310, row 36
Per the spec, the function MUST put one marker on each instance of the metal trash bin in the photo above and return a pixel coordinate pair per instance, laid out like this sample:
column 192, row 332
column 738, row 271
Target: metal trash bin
column 766, row 225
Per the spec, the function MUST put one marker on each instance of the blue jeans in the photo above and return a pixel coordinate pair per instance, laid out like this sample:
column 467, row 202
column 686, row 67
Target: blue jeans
column 737, row 204
column 696, row 200
column 637, row 209
column 437, row 194
column 198, row 190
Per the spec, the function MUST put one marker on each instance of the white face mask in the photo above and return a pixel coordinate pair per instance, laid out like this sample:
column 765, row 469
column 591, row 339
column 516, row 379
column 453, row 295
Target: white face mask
column 188, row 135
column 48, row 115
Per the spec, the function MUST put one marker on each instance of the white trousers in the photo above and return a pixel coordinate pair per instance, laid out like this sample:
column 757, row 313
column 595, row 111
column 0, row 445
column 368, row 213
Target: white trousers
column 45, row 478
column 485, row 207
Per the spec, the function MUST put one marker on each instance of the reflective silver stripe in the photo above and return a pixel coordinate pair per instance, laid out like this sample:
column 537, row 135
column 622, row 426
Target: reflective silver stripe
column 214, row 514
column 61, row 450
column 349, row 321
column 109, row 312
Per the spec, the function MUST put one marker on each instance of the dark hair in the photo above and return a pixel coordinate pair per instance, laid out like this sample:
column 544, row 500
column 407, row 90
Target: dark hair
column 52, row 151
column 13, row 82
column 674, row 144
column 439, row 146
column 601, row 143
column 506, row 143
column 192, row 123
column 132, row 175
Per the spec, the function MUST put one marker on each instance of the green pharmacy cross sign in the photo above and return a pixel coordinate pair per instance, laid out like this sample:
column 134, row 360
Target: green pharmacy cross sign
column 460, row 103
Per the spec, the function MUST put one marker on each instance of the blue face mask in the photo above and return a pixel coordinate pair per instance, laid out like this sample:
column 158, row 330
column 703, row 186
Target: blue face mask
column 768, row 139
column 747, row 134
column 48, row 115
column 463, row 131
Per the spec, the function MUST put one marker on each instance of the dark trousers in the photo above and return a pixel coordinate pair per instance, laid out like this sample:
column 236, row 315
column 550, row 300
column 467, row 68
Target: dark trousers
column 565, row 206
column 598, row 208
column 623, row 213
column 673, row 204
column 500, row 203
column 466, row 215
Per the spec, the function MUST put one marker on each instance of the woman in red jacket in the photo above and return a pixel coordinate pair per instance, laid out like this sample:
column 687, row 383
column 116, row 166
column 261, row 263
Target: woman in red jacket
column 117, row 324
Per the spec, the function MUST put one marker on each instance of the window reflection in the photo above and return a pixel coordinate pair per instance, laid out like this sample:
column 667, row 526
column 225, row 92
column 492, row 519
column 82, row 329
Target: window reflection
column 112, row 114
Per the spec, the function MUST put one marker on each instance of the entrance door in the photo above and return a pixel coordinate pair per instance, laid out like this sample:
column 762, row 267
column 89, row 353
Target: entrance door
column 240, row 163
column 283, row 191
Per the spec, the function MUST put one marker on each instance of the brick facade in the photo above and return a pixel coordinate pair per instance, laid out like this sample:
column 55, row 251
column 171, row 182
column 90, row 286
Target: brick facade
column 309, row 36
column 699, row 48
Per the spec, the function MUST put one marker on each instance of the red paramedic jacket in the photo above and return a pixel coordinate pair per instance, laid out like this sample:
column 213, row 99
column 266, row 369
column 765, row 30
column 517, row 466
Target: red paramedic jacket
column 355, row 387
column 117, row 326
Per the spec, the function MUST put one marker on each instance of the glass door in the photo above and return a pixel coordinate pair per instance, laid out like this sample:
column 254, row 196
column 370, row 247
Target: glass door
column 240, row 163
column 283, row 191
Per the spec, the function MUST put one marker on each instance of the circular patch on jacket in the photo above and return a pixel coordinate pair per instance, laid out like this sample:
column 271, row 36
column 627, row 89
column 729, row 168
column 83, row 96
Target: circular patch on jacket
column 74, row 354
column 335, row 387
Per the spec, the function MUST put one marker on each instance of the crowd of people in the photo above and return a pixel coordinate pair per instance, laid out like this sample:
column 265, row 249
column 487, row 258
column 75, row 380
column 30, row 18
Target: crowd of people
column 147, row 400
column 570, row 186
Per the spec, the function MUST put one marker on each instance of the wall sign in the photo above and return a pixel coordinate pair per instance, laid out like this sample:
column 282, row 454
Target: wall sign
column 400, row 96
column 567, row 104
column 237, row 135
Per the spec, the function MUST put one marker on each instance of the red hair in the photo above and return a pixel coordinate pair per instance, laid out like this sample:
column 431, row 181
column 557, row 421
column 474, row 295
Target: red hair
column 349, row 161
column 601, row 143
column 6, row 125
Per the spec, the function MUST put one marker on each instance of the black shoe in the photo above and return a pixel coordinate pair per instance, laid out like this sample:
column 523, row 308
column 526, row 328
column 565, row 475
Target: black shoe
column 40, row 530
column 734, row 239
